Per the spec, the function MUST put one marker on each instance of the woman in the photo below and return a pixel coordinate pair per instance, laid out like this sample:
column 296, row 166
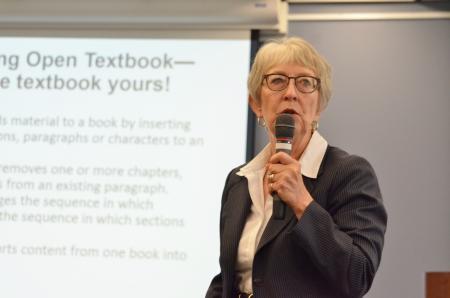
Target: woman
column 330, row 240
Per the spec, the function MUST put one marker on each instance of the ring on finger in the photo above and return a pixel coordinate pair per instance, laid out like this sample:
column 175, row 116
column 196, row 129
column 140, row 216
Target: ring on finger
column 271, row 177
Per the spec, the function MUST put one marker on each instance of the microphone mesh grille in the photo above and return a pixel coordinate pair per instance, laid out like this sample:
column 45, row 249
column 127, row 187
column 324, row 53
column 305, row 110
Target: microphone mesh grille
column 284, row 126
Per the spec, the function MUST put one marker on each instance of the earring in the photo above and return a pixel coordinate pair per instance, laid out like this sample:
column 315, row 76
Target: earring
column 314, row 126
column 261, row 122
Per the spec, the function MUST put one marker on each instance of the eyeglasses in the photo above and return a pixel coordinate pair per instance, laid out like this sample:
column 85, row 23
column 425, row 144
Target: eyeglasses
column 304, row 84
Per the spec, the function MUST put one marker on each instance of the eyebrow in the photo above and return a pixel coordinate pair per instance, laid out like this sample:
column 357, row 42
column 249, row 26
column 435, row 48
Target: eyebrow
column 298, row 75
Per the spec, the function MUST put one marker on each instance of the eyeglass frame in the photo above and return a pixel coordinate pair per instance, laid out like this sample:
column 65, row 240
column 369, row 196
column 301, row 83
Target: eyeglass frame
column 289, row 81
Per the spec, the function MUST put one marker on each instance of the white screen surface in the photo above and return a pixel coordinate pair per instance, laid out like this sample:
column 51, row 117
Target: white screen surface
column 113, row 157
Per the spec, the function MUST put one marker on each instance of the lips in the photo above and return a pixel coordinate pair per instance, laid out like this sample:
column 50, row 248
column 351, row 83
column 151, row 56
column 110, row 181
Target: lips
column 289, row 111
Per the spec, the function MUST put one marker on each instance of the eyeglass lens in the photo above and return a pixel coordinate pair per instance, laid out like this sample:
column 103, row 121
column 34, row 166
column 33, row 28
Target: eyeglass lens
column 278, row 82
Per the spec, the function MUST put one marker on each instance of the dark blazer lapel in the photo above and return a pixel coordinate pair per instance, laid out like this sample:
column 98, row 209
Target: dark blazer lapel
column 309, row 184
column 235, row 213
column 274, row 227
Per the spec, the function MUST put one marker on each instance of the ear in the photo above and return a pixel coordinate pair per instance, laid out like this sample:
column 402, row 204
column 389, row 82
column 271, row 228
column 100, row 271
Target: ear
column 255, row 105
column 317, row 118
column 318, row 111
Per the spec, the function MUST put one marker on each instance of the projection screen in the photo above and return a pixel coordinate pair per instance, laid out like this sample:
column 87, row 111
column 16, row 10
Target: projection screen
column 114, row 153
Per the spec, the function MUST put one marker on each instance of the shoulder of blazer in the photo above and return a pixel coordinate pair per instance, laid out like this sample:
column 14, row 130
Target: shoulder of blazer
column 344, row 171
column 232, row 180
column 336, row 159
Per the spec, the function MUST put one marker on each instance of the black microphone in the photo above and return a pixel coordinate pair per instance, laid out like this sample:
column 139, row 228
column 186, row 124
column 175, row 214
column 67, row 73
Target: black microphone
column 284, row 132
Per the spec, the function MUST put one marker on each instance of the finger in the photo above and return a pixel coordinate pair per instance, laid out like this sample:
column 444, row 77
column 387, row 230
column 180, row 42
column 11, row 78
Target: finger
column 281, row 158
column 270, row 177
column 278, row 168
column 275, row 169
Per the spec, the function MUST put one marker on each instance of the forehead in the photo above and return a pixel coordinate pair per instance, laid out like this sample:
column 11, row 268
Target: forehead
column 291, row 69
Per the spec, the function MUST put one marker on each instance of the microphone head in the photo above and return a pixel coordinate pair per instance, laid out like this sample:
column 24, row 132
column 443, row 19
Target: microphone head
column 284, row 126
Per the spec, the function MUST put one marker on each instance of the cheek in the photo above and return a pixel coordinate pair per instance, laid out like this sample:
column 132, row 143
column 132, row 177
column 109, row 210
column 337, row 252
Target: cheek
column 310, row 107
column 300, row 123
column 269, row 111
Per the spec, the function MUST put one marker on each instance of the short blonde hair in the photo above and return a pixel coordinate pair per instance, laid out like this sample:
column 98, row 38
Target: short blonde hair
column 285, row 51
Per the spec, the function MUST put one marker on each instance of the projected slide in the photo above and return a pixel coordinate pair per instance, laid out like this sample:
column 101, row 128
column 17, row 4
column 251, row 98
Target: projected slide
column 113, row 156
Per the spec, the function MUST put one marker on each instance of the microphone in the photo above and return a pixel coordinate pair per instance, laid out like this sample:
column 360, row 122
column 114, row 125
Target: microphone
column 284, row 133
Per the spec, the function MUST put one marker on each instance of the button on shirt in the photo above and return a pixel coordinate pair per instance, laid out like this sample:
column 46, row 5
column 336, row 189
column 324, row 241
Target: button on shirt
column 261, row 209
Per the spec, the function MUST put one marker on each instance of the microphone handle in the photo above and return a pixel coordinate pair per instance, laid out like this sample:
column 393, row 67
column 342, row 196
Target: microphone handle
column 279, row 207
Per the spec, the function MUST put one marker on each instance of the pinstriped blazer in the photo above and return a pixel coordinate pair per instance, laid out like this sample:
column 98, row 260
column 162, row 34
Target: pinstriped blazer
column 333, row 250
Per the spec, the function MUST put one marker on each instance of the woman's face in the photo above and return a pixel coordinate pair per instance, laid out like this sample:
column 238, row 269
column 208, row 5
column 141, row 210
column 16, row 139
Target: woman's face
column 303, row 106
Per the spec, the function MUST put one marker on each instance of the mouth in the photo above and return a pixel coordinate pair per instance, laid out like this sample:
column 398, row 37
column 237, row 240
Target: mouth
column 289, row 111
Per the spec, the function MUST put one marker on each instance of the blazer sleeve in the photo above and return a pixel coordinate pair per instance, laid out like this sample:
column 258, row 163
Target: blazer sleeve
column 215, row 288
column 344, row 237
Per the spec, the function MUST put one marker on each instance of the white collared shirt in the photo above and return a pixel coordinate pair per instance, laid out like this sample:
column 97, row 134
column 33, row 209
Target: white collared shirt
column 260, row 213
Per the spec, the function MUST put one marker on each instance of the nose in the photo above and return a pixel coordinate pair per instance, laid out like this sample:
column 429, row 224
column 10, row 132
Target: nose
column 290, row 93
